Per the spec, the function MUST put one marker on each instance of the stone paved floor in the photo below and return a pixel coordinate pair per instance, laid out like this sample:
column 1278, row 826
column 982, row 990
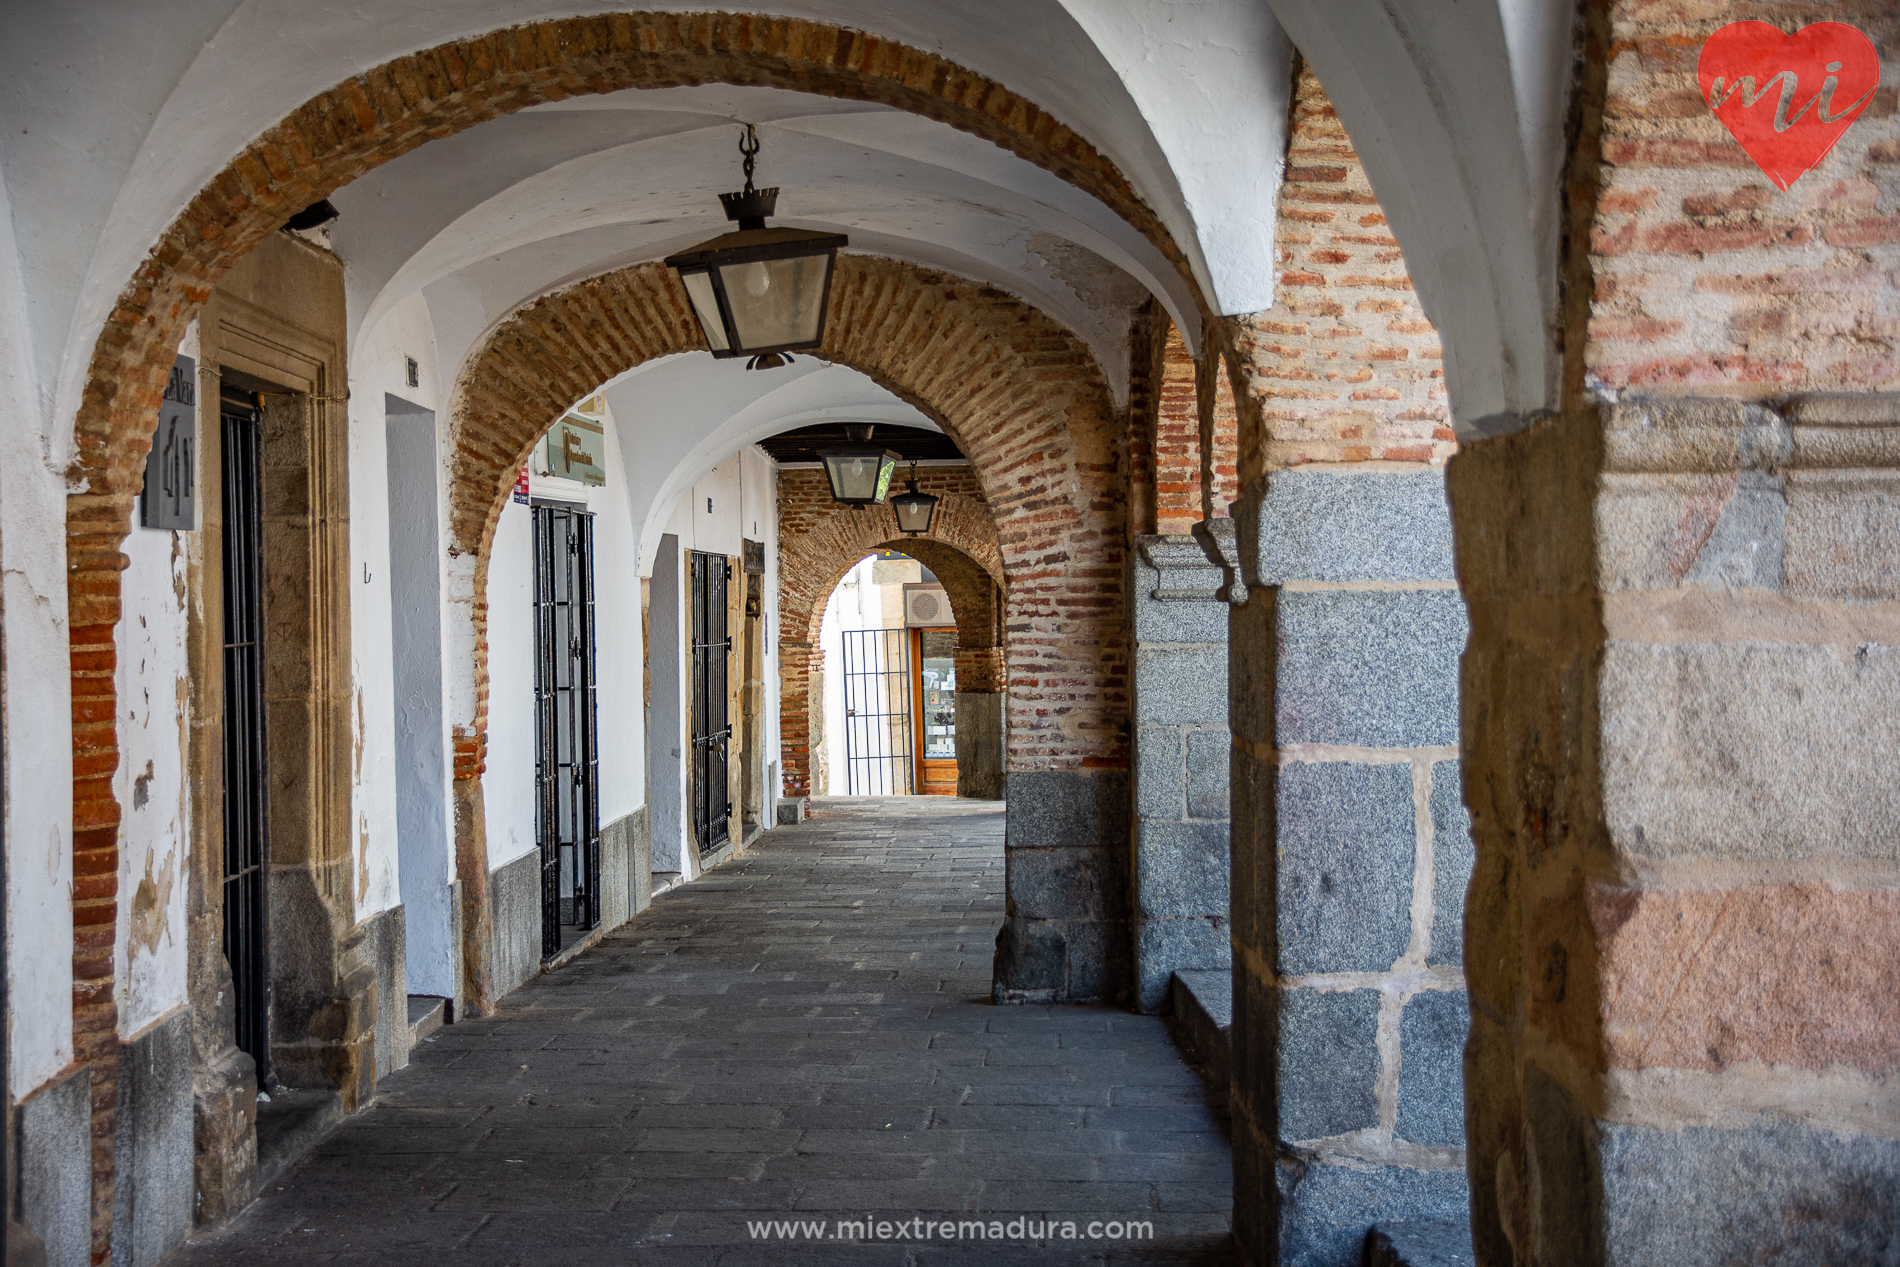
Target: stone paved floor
column 804, row 1034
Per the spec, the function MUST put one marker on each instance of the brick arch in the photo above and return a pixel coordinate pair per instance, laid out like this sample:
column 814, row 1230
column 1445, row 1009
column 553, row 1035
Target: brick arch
column 815, row 554
column 819, row 541
column 1021, row 396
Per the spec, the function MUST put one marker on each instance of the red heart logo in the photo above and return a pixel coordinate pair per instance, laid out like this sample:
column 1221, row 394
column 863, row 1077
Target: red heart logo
column 1788, row 98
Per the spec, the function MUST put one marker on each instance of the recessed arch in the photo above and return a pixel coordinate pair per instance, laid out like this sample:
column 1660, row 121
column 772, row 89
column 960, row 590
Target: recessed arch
column 1021, row 396
column 820, row 542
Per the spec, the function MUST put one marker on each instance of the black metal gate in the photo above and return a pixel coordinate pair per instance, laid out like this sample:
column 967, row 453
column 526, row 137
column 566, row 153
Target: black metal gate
column 566, row 764
column 246, row 801
column 712, row 724
column 877, row 727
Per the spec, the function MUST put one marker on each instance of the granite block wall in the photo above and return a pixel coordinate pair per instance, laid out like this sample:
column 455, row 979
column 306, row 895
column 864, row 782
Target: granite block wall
column 1180, row 820
column 1351, row 858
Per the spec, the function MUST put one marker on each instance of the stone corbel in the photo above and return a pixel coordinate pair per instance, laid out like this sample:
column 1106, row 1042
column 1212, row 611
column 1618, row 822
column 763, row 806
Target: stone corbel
column 1187, row 573
column 1220, row 538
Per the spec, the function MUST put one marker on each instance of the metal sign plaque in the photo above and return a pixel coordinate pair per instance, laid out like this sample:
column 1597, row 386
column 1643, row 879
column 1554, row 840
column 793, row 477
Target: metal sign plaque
column 577, row 450
column 169, row 499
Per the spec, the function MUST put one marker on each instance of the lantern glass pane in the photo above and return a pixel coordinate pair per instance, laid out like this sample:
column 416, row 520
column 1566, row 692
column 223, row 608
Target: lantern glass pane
column 913, row 511
column 854, row 476
column 776, row 303
column 699, row 289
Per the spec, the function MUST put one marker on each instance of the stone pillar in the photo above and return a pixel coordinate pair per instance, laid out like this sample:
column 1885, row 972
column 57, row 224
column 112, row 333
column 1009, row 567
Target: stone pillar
column 1350, row 862
column 1181, row 760
column 1683, row 700
column 1065, row 935
column 980, row 736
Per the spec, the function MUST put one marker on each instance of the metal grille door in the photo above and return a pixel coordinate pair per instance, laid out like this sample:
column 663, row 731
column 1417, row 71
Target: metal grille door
column 567, row 764
column 246, row 804
column 877, row 735
column 712, row 722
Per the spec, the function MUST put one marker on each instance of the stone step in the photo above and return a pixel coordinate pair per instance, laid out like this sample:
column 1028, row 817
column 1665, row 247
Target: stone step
column 1421, row 1243
column 427, row 1014
column 1200, row 1014
column 665, row 882
column 289, row 1124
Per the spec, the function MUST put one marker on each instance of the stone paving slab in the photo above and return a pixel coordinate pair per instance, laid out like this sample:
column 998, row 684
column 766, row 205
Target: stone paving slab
column 804, row 1035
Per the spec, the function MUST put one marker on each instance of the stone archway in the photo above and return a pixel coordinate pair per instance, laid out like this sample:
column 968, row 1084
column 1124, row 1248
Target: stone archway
column 1025, row 400
column 820, row 541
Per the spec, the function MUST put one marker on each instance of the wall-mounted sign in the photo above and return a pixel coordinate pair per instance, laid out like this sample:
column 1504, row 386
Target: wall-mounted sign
column 169, row 498
column 522, row 494
column 577, row 450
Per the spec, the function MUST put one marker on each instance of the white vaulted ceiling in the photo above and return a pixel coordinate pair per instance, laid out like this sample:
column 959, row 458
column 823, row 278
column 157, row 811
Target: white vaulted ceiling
column 519, row 205
column 114, row 113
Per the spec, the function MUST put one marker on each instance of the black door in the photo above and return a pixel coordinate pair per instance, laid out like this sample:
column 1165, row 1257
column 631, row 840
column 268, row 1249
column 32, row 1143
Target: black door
column 712, row 727
column 566, row 767
column 246, row 807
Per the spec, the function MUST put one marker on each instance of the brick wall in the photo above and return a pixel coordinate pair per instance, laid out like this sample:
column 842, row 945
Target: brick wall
column 820, row 540
column 1350, row 853
column 1177, row 439
column 1344, row 367
column 1219, row 425
column 1706, row 278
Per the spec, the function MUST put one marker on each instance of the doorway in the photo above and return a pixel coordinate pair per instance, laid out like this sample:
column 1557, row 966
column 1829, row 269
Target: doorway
column 879, row 743
column 567, row 763
column 246, row 754
column 712, row 718
column 933, row 657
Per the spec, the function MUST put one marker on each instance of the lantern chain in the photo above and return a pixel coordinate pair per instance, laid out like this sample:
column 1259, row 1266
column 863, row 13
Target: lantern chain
column 749, row 146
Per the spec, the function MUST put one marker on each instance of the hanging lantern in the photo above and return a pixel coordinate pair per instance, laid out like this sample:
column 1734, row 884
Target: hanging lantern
column 759, row 292
column 860, row 472
column 914, row 509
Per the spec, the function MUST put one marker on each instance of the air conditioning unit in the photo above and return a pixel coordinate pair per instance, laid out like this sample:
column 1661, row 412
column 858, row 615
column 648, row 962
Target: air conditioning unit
column 927, row 607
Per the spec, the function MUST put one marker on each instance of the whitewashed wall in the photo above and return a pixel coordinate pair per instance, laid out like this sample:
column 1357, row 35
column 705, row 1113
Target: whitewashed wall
column 508, row 783
column 377, row 370
column 37, row 701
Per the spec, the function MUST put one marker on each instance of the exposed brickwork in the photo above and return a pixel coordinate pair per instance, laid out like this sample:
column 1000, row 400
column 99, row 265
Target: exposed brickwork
column 1177, row 443
column 1708, row 279
column 1145, row 345
column 1020, row 395
column 1344, row 367
column 819, row 541
column 328, row 142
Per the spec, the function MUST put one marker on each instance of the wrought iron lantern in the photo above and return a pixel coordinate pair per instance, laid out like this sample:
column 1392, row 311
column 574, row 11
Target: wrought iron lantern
column 860, row 472
column 914, row 509
column 759, row 292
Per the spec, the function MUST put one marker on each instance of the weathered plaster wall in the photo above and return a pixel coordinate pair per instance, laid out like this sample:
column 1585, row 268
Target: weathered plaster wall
column 150, row 950
column 38, row 708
